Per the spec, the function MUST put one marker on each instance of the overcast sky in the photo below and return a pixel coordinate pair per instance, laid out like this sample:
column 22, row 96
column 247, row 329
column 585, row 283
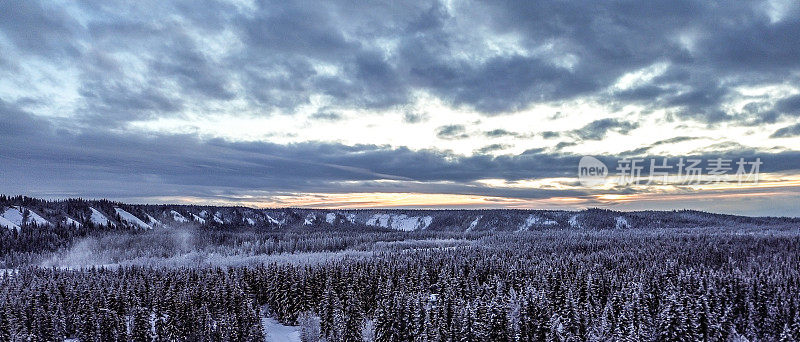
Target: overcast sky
column 397, row 104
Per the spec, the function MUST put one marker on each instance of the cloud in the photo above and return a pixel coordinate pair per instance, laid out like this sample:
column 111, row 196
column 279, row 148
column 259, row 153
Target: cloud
column 789, row 105
column 452, row 132
column 648, row 148
column 598, row 129
column 326, row 116
column 411, row 117
column 672, row 141
column 491, row 148
column 280, row 55
column 550, row 134
column 788, row 131
column 39, row 29
column 563, row 144
column 497, row 133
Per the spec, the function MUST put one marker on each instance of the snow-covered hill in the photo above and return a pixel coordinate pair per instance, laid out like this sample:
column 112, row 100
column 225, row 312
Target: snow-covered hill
column 99, row 218
column 16, row 213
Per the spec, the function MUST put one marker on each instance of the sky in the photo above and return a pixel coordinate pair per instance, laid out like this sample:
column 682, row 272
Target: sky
column 400, row 104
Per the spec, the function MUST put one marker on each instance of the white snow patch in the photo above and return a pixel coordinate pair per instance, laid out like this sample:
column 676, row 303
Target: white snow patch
column 153, row 221
column 274, row 331
column 309, row 220
column 400, row 222
column 622, row 223
column 380, row 220
column 218, row 219
column 534, row 219
column 70, row 221
column 274, row 221
column 177, row 217
column 474, row 223
column 250, row 221
column 14, row 214
column 330, row 218
column 573, row 221
column 38, row 219
column 8, row 224
column 8, row 271
column 204, row 214
column 128, row 217
column 426, row 221
column 198, row 219
column 99, row 219
column 352, row 218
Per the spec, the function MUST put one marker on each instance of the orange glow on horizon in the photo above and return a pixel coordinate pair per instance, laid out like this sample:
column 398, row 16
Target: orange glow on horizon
column 771, row 185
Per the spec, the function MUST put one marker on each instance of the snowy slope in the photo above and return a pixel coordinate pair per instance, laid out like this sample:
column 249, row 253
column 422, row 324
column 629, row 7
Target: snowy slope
column 153, row 221
column 199, row 219
column 535, row 220
column 621, row 223
column 8, row 224
column 573, row 221
column 128, row 217
column 35, row 218
column 309, row 219
column 276, row 222
column 14, row 215
column 400, row 222
column 70, row 221
column 177, row 217
column 98, row 218
column 474, row 223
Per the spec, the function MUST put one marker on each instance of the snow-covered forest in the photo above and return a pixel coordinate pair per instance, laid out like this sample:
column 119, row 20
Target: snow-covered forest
column 106, row 271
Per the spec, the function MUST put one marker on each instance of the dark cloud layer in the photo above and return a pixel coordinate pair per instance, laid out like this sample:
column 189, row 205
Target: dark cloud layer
column 788, row 131
column 40, row 159
column 384, row 51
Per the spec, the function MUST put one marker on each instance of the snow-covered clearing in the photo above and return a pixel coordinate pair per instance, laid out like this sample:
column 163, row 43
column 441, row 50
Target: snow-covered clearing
column 474, row 223
column 400, row 222
column 199, row 219
column 276, row 332
column 128, row 217
column 8, row 271
column 15, row 216
column 153, row 221
column 98, row 218
column 71, row 221
column 177, row 217
column 8, row 224
column 276, row 222
column 535, row 220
